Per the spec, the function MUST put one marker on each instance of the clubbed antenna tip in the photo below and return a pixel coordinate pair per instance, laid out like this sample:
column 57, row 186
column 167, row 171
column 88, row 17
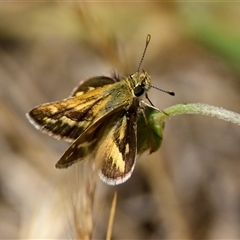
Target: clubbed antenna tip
column 168, row 92
column 145, row 49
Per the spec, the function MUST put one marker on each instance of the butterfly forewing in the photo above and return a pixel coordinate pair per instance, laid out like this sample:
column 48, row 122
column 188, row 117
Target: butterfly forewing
column 69, row 118
column 90, row 84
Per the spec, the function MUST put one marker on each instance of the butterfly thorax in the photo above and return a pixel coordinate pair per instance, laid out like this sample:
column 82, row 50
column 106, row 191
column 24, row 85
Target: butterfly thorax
column 140, row 83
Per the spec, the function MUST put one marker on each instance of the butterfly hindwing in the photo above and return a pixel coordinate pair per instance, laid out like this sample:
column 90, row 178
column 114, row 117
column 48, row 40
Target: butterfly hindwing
column 86, row 143
column 111, row 143
column 118, row 150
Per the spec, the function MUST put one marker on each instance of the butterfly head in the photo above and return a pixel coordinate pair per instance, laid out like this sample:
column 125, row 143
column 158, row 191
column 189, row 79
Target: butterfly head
column 141, row 83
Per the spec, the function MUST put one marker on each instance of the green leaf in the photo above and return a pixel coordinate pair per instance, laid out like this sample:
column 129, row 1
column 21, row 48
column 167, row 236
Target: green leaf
column 149, row 130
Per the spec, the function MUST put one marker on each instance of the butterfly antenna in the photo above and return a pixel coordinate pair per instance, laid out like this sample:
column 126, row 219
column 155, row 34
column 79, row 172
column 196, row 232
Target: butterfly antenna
column 145, row 49
column 168, row 92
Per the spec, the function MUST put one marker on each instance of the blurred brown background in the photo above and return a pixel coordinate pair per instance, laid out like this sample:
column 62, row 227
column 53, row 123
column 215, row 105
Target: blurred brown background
column 190, row 188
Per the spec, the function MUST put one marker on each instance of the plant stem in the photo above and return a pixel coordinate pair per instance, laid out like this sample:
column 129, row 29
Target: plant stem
column 198, row 108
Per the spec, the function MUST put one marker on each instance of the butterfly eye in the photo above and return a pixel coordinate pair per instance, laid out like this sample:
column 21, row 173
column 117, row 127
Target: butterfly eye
column 139, row 90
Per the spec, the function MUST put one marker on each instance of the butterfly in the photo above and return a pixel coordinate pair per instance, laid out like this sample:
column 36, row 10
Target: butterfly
column 107, row 119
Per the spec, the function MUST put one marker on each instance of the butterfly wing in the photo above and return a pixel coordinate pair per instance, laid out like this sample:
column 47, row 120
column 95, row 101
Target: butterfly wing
column 112, row 144
column 69, row 118
column 118, row 150
column 86, row 143
column 90, row 84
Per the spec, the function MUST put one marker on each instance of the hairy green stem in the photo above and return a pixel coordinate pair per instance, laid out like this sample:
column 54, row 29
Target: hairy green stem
column 198, row 108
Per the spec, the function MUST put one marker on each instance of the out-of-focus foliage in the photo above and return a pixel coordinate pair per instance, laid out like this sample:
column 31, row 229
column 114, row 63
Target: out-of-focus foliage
column 190, row 188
